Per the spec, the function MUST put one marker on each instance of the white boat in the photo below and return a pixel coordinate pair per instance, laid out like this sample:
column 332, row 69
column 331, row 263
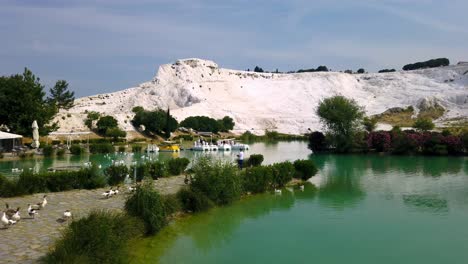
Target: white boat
column 152, row 148
column 200, row 146
column 239, row 146
column 213, row 147
column 224, row 147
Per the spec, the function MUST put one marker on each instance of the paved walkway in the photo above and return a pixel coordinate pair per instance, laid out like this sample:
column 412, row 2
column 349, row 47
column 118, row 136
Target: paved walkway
column 30, row 239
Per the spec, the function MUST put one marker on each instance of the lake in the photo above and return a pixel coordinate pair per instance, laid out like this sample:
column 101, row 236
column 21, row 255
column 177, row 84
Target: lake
column 364, row 209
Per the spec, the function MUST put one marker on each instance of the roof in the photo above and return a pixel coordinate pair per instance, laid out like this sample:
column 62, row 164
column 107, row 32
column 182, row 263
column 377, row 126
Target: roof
column 5, row 135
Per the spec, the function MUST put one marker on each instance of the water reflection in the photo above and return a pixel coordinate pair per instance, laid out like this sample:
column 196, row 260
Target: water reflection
column 426, row 202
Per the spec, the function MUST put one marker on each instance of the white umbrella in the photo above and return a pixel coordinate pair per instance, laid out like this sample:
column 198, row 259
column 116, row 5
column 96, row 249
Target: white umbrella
column 35, row 128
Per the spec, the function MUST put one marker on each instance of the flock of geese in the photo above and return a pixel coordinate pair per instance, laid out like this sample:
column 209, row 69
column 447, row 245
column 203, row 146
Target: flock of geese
column 12, row 216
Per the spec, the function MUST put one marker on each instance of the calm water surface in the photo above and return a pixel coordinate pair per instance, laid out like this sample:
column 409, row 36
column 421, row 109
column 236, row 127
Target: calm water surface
column 364, row 209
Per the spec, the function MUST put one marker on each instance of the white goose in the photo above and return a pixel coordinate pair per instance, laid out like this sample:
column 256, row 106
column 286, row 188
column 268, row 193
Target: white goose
column 31, row 211
column 7, row 222
column 67, row 215
column 16, row 217
column 277, row 191
column 43, row 203
column 301, row 187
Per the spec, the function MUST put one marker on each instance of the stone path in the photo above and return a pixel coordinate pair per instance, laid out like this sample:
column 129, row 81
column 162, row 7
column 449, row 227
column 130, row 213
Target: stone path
column 30, row 239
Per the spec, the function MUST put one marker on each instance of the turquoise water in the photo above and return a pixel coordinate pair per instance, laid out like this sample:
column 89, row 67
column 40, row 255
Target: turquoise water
column 273, row 152
column 365, row 209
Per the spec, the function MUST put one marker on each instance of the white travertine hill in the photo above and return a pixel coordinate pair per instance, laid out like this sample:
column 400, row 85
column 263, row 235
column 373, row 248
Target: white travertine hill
column 282, row 102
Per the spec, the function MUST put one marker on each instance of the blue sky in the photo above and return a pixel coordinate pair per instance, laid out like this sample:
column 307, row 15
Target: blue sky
column 107, row 45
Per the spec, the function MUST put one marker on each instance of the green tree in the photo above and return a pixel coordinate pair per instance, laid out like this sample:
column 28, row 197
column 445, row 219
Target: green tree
column 341, row 116
column 115, row 133
column 423, row 124
column 104, row 123
column 369, row 123
column 361, row 70
column 61, row 97
column 92, row 116
column 226, row 124
column 22, row 100
column 155, row 121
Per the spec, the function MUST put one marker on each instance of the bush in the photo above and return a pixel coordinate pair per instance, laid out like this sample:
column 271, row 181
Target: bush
column 106, row 122
column 257, row 179
column 147, row 204
column 282, row 173
column 304, row 169
column 177, row 166
column 76, row 150
column 48, row 150
column 29, row 183
column 115, row 133
column 381, row 141
column 116, row 174
column 101, row 237
column 255, row 160
column 7, row 187
column 317, row 142
column 101, row 148
column 427, row 64
column 423, row 124
column 121, row 149
column 194, row 200
column 158, row 169
column 136, row 148
column 60, row 152
column 217, row 179
column 202, row 123
column 171, row 203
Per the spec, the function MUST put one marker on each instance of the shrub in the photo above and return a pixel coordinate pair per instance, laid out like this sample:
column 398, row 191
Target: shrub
column 202, row 123
column 177, row 166
column 423, row 124
column 56, row 142
column 101, row 148
column 435, row 145
column 427, row 64
column 158, row 169
column 317, row 141
column 255, row 160
column 7, row 187
column 194, row 200
column 282, row 173
column 106, row 122
column 115, row 133
column 60, row 152
column 121, row 149
column 381, row 141
column 48, row 150
column 101, row 237
column 171, row 203
column 147, row 204
column 257, row 179
column 142, row 171
column 304, row 169
column 29, row 183
column 217, row 179
column 116, row 174
column 76, row 149
column 136, row 148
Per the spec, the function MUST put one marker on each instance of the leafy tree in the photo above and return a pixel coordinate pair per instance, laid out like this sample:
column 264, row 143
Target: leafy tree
column 155, row 121
column 342, row 117
column 92, row 116
column 387, row 70
column 317, row 141
column 137, row 109
column 361, row 71
column 60, row 96
column 322, row 68
column 201, row 123
column 258, row 69
column 349, row 71
column 226, row 124
column 423, row 124
column 22, row 101
column 427, row 64
column 106, row 122
column 115, row 133
column 369, row 123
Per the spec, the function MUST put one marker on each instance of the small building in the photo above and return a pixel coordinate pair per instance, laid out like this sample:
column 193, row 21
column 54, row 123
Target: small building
column 8, row 141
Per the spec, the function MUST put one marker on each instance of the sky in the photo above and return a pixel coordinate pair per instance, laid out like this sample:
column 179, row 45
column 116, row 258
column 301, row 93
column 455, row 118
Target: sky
column 101, row 46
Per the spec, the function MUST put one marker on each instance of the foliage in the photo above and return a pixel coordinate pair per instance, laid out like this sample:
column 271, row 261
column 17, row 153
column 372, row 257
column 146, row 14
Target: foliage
column 282, row 173
column 201, row 123
column 423, row 124
column 61, row 97
column 258, row 69
column 341, row 116
column 115, row 133
column 146, row 204
column 193, row 200
column 177, row 165
column 387, row 70
column 427, row 64
column 101, row 237
column 217, row 179
column 101, row 148
column 434, row 145
column 137, row 109
column 60, row 152
column 156, row 122
column 47, row 150
column 29, row 183
column 226, row 124
column 317, row 141
column 321, row 68
column 22, row 101
column 116, row 174
column 104, row 123
column 304, row 169
column 121, row 149
column 171, row 203
column 158, row 169
column 137, row 148
column 361, row 71
column 257, row 179
column 92, row 116
column 76, row 149
column 381, row 141
column 255, row 160
column 369, row 123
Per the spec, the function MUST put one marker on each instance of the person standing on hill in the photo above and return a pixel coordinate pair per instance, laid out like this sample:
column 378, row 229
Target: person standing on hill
column 240, row 159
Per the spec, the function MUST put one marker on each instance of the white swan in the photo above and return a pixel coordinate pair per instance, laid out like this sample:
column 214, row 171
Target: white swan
column 277, row 191
column 67, row 215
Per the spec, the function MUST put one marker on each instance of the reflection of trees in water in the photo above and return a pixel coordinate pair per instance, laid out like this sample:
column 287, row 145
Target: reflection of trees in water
column 426, row 202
